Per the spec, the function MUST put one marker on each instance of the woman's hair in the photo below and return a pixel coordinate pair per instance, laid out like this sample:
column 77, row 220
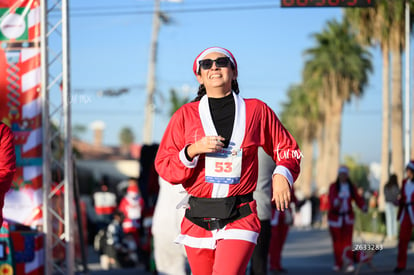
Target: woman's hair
column 202, row 89
column 349, row 182
column 393, row 180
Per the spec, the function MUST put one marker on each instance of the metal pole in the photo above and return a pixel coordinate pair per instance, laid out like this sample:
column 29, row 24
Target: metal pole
column 46, row 167
column 149, row 106
column 67, row 137
column 407, row 83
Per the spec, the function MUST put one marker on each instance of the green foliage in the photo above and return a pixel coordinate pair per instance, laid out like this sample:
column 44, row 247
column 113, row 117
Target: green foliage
column 126, row 136
column 358, row 172
column 176, row 101
column 372, row 221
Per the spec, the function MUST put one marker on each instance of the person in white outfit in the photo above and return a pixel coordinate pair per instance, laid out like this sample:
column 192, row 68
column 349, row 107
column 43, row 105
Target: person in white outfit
column 170, row 257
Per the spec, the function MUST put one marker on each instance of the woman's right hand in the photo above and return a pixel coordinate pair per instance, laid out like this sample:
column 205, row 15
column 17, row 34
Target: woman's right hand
column 207, row 144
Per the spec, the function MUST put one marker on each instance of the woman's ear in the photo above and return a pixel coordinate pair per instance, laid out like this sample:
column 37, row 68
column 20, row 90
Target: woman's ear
column 199, row 79
column 234, row 74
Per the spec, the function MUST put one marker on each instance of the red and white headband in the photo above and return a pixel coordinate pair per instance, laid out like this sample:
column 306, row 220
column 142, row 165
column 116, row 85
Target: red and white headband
column 196, row 65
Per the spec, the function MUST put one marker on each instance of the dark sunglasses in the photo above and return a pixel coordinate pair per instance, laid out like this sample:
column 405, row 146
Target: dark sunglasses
column 221, row 62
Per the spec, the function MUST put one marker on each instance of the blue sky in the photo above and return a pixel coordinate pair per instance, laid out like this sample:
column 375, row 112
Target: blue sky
column 268, row 43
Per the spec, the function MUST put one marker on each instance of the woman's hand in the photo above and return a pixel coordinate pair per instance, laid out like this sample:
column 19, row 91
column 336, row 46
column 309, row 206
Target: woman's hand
column 207, row 144
column 281, row 192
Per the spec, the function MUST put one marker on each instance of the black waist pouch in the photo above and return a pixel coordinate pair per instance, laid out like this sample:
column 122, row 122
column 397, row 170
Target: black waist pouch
column 219, row 208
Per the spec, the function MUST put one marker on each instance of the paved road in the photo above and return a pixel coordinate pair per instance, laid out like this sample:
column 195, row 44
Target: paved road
column 310, row 252
column 306, row 252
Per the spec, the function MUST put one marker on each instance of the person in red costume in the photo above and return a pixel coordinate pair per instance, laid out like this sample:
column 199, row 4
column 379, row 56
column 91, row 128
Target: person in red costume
column 341, row 215
column 131, row 206
column 7, row 163
column 281, row 221
column 210, row 147
column 406, row 217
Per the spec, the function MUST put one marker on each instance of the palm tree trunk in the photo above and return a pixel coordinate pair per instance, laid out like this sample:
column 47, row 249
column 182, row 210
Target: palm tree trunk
column 396, row 110
column 385, row 147
column 321, row 162
column 307, row 165
column 335, row 137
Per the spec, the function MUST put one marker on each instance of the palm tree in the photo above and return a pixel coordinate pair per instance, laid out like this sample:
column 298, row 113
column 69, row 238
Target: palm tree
column 396, row 44
column 342, row 66
column 126, row 138
column 373, row 28
column 176, row 101
column 300, row 117
column 384, row 25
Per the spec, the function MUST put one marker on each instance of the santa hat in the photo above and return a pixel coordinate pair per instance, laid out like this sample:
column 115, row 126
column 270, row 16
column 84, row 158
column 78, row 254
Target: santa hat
column 410, row 165
column 196, row 65
column 343, row 169
column 133, row 189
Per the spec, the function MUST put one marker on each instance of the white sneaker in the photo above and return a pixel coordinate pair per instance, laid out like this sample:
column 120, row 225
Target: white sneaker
column 336, row 268
column 350, row 268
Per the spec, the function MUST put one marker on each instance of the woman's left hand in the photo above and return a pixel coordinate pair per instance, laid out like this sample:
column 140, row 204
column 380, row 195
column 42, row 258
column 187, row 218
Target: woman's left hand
column 281, row 192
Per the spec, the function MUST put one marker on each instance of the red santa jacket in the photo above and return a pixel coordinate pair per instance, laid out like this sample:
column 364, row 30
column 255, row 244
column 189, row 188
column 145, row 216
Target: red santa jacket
column 406, row 202
column 131, row 206
column 7, row 163
column 340, row 204
column 255, row 125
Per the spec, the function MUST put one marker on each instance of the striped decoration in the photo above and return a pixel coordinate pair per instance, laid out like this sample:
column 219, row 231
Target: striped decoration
column 25, row 116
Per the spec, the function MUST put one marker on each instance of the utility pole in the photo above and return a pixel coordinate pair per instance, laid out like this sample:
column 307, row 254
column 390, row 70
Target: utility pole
column 407, row 84
column 149, row 106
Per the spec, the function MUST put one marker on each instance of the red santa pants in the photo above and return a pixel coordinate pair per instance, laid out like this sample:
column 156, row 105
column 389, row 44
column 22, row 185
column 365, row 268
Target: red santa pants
column 403, row 240
column 341, row 238
column 279, row 234
column 229, row 258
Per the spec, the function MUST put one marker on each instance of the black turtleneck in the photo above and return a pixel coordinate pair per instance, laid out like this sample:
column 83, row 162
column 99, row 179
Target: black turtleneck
column 223, row 111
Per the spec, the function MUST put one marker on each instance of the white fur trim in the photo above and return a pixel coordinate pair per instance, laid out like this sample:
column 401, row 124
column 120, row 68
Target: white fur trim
column 282, row 170
column 185, row 161
column 222, row 190
column 211, row 242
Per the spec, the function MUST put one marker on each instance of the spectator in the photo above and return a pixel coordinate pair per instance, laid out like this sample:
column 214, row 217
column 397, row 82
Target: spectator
column 105, row 203
column 315, row 204
column 324, row 207
column 114, row 248
column 131, row 206
column 391, row 192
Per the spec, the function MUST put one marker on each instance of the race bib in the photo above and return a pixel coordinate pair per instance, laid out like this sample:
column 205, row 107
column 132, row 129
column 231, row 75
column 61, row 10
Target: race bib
column 224, row 167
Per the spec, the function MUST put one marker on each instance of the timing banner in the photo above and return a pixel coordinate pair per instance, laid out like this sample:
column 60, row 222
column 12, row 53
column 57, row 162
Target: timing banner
column 21, row 108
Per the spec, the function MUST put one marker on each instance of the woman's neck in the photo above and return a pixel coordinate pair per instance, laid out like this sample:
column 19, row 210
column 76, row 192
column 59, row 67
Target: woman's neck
column 217, row 93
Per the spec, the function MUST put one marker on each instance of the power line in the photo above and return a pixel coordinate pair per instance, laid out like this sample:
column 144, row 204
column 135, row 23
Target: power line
column 197, row 4
column 170, row 11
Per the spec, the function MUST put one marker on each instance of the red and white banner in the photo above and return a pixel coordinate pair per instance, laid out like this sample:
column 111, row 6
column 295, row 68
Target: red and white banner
column 20, row 106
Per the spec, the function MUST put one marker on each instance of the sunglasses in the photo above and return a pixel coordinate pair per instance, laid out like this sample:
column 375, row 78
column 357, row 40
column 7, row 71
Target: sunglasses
column 221, row 62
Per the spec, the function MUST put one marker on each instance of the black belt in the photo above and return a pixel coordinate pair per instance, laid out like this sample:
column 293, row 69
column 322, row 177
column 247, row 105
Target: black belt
column 212, row 223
